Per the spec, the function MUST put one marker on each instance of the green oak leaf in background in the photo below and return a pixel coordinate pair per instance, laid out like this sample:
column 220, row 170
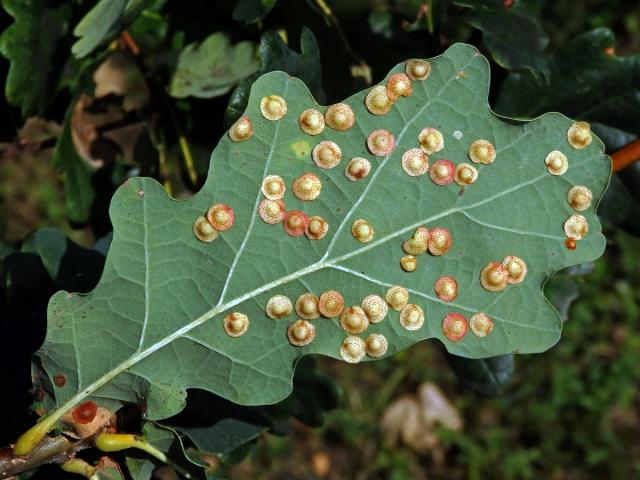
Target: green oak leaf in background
column 512, row 34
column 104, row 22
column 586, row 81
column 30, row 45
column 153, row 327
column 252, row 11
column 213, row 67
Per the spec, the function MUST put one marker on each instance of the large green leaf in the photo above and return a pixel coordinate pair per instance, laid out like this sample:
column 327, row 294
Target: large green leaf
column 586, row 81
column 213, row 67
column 30, row 44
column 511, row 33
column 251, row 11
column 153, row 326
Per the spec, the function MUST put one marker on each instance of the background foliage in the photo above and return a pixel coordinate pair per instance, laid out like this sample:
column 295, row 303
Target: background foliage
column 97, row 92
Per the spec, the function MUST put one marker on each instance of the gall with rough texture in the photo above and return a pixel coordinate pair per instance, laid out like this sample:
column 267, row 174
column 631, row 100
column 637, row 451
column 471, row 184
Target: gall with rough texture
column 273, row 187
column 412, row 317
column 442, row 172
column 301, row 333
column 439, row 241
column 374, row 307
column 418, row 69
column 409, row 263
column 446, row 288
column 482, row 151
column 376, row 345
column 381, row 143
column 278, row 306
column 307, row 187
column 494, row 277
column 397, row 297
column 271, row 211
column 454, row 327
column 317, row 228
column 399, row 85
column 579, row 198
column 273, row 107
column 326, row 154
column 579, row 135
column 295, row 222
column 556, row 162
column 221, row 217
column 352, row 349
column 431, row 141
column 516, row 269
column 353, row 320
column 331, row 304
column 576, row 227
column 465, row 174
column 204, row 231
column 480, row 324
column 235, row 324
column 378, row 100
column 241, row 130
column 311, row 122
column 307, row 306
column 339, row 116
column 362, row 231
column 357, row 169
column 415, row 162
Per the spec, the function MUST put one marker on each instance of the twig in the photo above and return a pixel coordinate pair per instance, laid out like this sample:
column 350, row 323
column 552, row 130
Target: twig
column 626, row 156
column 50, row 450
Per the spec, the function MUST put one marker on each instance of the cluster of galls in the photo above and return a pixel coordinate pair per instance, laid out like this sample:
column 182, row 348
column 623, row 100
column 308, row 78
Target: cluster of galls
column 219, row 217
column 436, row 241
column 497, row 275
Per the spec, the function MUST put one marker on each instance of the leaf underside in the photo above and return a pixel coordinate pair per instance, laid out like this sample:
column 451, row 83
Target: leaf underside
column 153, row 326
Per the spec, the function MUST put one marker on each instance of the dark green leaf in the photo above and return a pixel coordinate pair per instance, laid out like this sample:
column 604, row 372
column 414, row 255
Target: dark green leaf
column 104, row 22
column 586, row 82
column 76, row 174
column 251, row 11
column 488, row 376
column 276, row 55
column 223, row 437
column 512, row 34
column 213, row 67
column 30, row 44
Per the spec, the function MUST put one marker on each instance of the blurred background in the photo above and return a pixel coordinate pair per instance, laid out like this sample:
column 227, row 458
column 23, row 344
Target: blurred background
column 97, row 92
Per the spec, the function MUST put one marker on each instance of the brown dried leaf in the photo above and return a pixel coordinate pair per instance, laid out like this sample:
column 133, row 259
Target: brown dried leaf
column 119, row 75
column 103, row 419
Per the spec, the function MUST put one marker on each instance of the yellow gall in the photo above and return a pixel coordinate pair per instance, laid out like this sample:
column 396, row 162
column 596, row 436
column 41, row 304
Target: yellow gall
column 357, row 169
column 235, row 324
column 465, row 174
column 273, row 187
column 273, row 107
column 418, row 244
column 241, row 130
column 331, row 304
column 576, row 227
column 418, row 69
column 454, row 327
column 446, row 288
column 412, row 317
column 278, row 306
column 376, row 345
column 409, row 263
column 381, row 143
column 311, row 122
column 516, row 269
column 397, row 297
column 221, row 216
column 339, row 116
column 307, row 306
column 352, row 349
column 353, row 320
column 378, row 100
column 431, row 140
column 399, row 85
column 439, row 241
column 494, row 277
column 374, row 307
column 301, row 333
column 271, row 211
column 362, row 231
column 482, row 151
column 326, row 154
column 442, row 172
column 317, row 228
column 295, row 222
column 480, row 324
column 415, row 162
column 579, row 198
column 579, row 135
column 307, row 187
column 204, row 231
column 556, row 162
